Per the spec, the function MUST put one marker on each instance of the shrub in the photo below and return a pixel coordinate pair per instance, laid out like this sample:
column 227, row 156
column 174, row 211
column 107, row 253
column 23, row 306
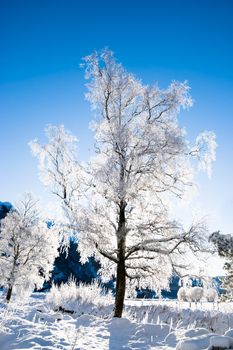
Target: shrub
column 79, row 298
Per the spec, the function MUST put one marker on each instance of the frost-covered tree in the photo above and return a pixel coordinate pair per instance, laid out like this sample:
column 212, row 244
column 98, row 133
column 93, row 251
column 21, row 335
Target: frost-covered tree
column 224, row 245
column 27, row 247
column 119, row 201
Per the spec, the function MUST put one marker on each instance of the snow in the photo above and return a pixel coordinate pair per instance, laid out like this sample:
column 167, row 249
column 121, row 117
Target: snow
column 31, row 329
column 146, row 325
column 229, row 333
column 195, row 332
column 221, row 341
column 197, row 343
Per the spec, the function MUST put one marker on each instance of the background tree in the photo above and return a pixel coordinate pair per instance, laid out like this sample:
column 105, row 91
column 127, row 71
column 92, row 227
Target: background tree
column 27, row 247
column 224, row 245
column 143, row 160
column 5, row 207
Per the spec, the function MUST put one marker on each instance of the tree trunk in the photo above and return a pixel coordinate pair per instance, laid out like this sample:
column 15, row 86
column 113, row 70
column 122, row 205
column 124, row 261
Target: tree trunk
column 9, row 293
column 120, row 288
column 121, row 272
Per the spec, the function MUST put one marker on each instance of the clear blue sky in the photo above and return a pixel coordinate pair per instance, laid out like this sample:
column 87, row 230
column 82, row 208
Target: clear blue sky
column 41, row 46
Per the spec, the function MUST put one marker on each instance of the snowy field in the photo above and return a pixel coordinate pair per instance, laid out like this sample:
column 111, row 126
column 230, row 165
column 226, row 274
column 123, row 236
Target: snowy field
column 146, row 325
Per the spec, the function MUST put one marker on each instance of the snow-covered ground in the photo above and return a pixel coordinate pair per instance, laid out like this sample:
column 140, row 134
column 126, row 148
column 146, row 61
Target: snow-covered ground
column 147, row 325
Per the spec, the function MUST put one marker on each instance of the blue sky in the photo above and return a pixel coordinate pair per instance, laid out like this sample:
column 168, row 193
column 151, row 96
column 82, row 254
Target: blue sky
column 41, row 46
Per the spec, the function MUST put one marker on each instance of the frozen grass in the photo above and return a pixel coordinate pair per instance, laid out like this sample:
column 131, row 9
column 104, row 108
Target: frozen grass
column 181, row 316
column 72, row 297
column 9, row 310
column 5, row 317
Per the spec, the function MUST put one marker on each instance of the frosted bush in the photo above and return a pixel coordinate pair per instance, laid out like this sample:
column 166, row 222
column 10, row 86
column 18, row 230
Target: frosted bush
column 79, row 297
column 193, row 294
column 211, row 294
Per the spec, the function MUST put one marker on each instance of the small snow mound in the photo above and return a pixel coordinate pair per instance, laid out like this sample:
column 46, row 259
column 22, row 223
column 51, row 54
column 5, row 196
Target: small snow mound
column 152, row 329
column 196, row 332
column 121, row 322
column 187, row 345
column 220, row 341
column 85, row 320
column 171, row 339
column 198, row 343
column 158, row 332
column 229, row 333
